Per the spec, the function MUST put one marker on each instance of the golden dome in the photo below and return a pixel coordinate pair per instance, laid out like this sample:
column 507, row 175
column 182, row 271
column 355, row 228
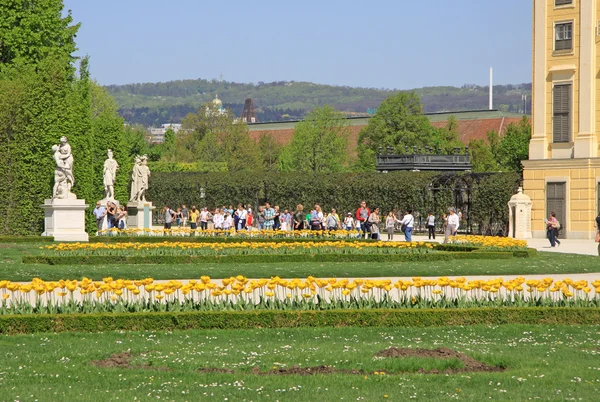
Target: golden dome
column 217, row 101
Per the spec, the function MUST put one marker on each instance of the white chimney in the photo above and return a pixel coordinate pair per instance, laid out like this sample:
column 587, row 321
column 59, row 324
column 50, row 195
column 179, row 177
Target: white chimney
column 491, row 89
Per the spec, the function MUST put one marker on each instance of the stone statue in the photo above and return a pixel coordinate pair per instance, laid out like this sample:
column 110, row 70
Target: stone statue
column 110, row 174
column 140, row 178
column 145, row 178
column 136, row 179
column 67, row 158
column 63, row 173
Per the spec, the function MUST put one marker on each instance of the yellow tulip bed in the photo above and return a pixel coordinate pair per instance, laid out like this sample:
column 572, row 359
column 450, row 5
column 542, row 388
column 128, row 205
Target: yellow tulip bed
column 183, row 248
column 241, row 293
column 243, row 247
column 254, row 233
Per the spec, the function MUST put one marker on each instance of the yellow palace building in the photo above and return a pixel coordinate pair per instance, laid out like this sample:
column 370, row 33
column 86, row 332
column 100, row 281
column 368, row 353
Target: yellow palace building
column 563, row 170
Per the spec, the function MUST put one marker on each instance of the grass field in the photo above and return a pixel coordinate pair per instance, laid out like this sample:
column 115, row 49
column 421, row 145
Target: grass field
column 535, row 363
column 11, row 268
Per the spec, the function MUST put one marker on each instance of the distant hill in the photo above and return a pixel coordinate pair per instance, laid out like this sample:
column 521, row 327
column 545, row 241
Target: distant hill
column 152, row 104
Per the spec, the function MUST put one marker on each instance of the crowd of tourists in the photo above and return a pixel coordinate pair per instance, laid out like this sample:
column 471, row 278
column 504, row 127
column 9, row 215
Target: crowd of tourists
column 366, row 222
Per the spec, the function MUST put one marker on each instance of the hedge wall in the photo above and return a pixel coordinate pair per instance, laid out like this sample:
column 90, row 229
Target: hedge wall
column 27, row 324
column 487, row 194
column 271, row 258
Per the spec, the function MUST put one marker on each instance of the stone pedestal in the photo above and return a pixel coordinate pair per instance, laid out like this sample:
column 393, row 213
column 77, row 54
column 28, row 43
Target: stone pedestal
column 64, row 219
column 519, row 212
column 139, row 214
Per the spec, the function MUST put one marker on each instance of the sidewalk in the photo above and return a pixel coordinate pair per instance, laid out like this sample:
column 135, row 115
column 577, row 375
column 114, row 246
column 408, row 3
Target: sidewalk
column 567, row 246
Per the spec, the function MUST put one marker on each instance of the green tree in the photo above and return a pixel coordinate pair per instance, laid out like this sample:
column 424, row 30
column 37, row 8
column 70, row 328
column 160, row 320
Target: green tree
column 446, row 138
column 398, row 123
column 514, row 145
column 239, row 150
column 214, row 136
column 482, row 158
column 320, row 142
column 270, row 151
column 32, row 30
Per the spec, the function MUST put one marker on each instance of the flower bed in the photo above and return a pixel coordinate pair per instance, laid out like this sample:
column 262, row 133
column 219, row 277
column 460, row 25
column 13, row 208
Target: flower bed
column 241, row 293
column 221, row 248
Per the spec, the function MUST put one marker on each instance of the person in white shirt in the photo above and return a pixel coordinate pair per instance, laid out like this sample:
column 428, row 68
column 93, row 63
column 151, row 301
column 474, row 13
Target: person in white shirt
column 407, row 222
column 242, row 215
column 431, row 225
column 227, row 221
column 218, row 219
column 348, row 222
column 204, row 215
column 452, row 226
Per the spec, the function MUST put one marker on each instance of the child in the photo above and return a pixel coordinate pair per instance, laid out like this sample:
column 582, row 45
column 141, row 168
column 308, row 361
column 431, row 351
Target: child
column 348, row 222
column 228, row 221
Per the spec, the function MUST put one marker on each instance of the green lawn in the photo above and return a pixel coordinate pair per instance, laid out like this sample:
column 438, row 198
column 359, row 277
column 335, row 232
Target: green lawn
column 11, row 268
column 541, row 363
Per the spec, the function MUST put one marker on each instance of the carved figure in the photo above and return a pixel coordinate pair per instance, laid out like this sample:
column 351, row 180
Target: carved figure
column 110, row 175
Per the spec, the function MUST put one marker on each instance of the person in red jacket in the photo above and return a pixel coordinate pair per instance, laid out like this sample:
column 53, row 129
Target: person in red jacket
column 362, row 216
column 249, row 219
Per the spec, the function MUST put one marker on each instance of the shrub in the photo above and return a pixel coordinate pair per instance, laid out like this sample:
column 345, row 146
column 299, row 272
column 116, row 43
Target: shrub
column 29, row 324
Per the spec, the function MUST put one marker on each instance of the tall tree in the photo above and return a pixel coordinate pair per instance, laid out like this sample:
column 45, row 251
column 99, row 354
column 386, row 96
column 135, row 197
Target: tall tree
column 446, row 138
column 320, row 142
column 398, row 123
column 32, row 30
column 270, row 151
column 514, row 145
column 482, row 158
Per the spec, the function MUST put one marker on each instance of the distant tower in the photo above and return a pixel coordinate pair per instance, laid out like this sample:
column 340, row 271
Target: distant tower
column 249, row 114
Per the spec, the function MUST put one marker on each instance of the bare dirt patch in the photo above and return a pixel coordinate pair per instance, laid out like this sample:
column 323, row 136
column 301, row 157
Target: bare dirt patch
column 471, row 365
column 123, row 360
column 297, row 370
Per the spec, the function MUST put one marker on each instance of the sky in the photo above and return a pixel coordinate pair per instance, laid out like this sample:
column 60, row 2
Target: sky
column 393, row 44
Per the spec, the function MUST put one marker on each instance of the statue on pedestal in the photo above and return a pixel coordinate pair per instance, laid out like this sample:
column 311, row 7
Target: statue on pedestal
column 139, row 179
column 110, row 175
column 63, row 173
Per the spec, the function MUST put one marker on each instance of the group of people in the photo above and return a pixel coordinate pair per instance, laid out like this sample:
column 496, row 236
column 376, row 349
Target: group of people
column 366, row 222
column 116, row 217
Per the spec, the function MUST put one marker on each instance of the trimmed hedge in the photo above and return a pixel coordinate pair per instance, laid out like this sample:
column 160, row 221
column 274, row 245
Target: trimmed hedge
column 26, row 239
column 420, row 191
column 268, row 258
column 28, row 324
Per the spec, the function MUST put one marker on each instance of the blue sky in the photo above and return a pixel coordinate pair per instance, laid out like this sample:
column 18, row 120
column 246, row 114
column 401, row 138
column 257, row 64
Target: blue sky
column 383, row 44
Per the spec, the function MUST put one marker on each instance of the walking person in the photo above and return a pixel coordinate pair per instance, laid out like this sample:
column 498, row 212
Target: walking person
column 332, row 221
column 185, row 215
column 598, row 232
column 122, row 218
column 169, row 215
column 269, row 216
column 218, row 219
column 390, row 224
column 431, row 225
column 204, row 215
column 241, row 214
column 178, row 217
column 299, row 217
column 99, row 213
column 408, row 222
column 194, row 218
column 373, row 221
column 348, row 222
column 452, row 224
column 362, row 216
column 111, row 214
column 552, row 228
column 316, row 218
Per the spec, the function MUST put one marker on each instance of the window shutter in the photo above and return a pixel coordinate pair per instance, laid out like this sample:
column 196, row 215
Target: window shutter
column 561, row 113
